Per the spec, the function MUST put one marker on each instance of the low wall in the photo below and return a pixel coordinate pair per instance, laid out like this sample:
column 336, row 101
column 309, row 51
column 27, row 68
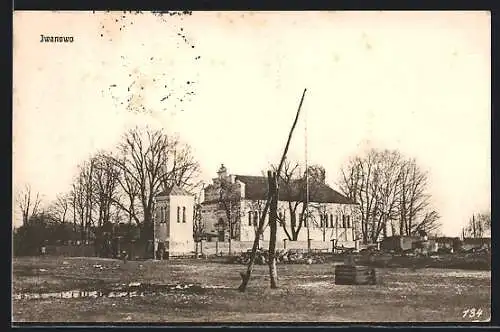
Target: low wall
column 222, row 248
column 207, row 248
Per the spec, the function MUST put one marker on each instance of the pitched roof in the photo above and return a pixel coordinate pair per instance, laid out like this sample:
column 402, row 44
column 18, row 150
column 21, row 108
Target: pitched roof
column 256, row 189
column 174, row 191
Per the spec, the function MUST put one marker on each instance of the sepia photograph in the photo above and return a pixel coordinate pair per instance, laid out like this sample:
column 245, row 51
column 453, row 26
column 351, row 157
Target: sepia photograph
column 251, row 167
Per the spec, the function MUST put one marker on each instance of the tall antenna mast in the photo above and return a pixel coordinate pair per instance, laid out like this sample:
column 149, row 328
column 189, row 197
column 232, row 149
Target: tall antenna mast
column 307, row 182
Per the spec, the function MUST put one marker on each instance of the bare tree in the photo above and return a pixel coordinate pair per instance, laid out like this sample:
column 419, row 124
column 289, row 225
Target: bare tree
column 229, row 202
column 316, row 173
column 414, row 201
column 387, row 174
column 198, row 225
column 105, row 186
column 105, row 183
column 429, row 223
column 127, row 197
column 151, row 161
column 389, row 190
column 322, row 222
column 76, row 207
column 28, row 205
column 82, row 199
column 478, row 226
column 255, row 212
column 60, row 208
column 293, row 186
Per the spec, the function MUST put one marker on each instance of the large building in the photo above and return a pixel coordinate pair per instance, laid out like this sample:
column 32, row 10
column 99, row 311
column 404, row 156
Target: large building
column 234, row 203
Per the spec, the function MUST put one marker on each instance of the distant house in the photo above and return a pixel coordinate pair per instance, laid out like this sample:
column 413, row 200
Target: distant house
column 476, row 243
column 448, row 243
column 399, row 243
column 331, row 218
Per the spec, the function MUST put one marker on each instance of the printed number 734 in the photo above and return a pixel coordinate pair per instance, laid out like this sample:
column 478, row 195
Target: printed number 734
column 472, row 313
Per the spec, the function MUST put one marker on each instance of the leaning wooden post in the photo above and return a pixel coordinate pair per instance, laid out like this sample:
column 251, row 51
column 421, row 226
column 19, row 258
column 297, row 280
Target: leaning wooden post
column 273, row 216
column 246, row 276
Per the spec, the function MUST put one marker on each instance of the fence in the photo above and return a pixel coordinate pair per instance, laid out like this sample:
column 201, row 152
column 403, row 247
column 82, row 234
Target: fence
column 134, row 250
column 86, row 250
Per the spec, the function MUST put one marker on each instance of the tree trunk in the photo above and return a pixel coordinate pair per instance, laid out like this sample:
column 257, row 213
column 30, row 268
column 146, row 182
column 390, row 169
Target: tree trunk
column 230, row 228
column 273, row 216
column 474, row 226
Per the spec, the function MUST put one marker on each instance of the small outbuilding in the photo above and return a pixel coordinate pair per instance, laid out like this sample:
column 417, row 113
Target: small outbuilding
column 173, row 225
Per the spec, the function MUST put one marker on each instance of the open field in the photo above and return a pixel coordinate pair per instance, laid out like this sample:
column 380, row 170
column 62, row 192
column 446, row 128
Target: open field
column 307, row 293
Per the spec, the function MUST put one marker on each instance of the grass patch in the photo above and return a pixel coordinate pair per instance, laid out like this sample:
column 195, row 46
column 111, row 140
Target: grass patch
column 306, row 293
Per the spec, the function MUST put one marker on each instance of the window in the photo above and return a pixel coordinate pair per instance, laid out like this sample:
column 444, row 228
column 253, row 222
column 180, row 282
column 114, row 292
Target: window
column 255, row 218
column 281, row 216
column 184, row 214
column 337, row 221
column 162, row 214
column 249, row 218
column 343, row 221
column 321, row 219
column 331, row 220
column 348, row 221
column 178, row 214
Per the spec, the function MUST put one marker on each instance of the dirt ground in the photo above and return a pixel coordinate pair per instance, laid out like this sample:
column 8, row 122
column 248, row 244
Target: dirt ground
column 306, row 293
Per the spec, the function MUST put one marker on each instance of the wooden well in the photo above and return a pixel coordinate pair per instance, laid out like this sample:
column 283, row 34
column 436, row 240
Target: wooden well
column 354, row 275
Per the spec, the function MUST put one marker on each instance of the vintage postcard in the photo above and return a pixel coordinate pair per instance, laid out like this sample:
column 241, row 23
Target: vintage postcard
column 232, row 167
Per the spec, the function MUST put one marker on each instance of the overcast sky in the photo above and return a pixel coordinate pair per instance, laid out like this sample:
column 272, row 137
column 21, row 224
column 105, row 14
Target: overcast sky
column 418, row 82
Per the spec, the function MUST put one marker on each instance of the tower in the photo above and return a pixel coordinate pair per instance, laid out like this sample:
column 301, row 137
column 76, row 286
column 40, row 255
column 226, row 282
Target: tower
column 173, row 226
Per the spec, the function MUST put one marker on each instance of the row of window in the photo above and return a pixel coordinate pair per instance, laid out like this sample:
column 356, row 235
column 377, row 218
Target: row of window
column 326, row 220
column 164, row 215
column 253, row 218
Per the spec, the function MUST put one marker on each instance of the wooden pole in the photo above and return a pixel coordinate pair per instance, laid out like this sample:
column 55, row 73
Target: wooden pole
column 273, row 217
column 246, row 276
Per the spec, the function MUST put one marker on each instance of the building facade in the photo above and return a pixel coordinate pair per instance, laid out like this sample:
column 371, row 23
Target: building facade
column 173, row 222
column 233, row 205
